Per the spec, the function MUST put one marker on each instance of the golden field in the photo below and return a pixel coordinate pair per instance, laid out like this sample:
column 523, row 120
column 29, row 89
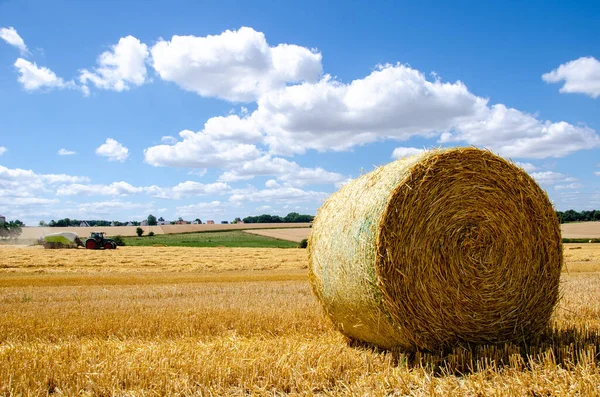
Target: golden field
column 153, row 321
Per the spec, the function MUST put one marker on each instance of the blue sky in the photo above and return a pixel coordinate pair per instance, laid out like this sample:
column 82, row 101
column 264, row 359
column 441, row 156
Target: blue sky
column 115, row 110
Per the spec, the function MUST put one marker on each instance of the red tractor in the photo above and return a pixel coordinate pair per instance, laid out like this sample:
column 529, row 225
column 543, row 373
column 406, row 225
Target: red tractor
column 98, row 241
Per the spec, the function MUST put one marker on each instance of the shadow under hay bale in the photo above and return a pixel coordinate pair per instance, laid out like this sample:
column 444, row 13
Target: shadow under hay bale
column 568, row 348
column 447, row 247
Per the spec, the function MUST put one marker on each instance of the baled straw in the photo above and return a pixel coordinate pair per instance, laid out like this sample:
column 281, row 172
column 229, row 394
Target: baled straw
column 443, row 247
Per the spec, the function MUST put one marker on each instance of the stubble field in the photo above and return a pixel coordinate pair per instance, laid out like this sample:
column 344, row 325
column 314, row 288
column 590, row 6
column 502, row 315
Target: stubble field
column 145, row 321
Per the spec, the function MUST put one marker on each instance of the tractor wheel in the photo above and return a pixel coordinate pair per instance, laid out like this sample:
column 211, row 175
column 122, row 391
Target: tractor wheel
column 108, row 246
column 90, row 244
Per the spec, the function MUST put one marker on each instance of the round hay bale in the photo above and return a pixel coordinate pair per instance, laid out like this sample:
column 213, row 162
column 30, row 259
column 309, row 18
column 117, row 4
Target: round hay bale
column 443, row 247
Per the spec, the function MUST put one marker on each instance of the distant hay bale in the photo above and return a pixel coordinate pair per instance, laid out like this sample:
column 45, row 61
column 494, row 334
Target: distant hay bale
column 443, row 247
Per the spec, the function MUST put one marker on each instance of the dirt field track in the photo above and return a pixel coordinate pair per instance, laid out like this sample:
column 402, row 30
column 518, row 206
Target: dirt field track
column 581, row 230
column 296, row 235
column 569, row 230
column 156, row 321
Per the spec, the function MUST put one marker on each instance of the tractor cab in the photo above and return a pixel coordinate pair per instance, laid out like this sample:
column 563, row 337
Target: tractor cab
column 98, row 241
column 98, row 236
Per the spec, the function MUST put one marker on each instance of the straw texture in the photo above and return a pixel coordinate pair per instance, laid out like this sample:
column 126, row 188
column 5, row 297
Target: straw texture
column 444, row 247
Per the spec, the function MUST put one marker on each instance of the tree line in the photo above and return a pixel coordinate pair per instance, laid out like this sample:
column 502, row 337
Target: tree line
column 292, row 217
column 66, row 222
column 575, row 216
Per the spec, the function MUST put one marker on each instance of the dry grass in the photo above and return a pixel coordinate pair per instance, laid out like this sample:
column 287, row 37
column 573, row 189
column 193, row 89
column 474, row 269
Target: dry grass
column 148, row 259
column 182, row 328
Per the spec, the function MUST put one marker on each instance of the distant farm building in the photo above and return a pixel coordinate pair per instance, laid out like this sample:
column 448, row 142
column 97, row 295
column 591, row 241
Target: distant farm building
column 162, row 223
column 84, row 224
column 2, row 219
column 144, row 222
column 181, row 222
column 211, row 222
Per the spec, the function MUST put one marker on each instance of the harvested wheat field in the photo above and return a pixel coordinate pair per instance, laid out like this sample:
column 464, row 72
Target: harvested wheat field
column 296, row 235
column 157, row 321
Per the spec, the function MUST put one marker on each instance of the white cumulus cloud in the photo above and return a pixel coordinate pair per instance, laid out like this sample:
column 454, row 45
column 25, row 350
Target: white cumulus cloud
column 114, row 189
column 65, row 152
column 18, row 175
column 119, row 69
column 394, row 101
column 236, row 65
column 11, row 36
column 271, row 184
column 122, row 188
column 34, row 77
column 528, row 167
column 113, row 150
column 570, row 186
column 3, row 150
column 20, row 190
column 580, row 76
column 200, row 150
column 405, row 151
column 168, row 140
column 516, row 134
column 286, row 171
column 548, row 177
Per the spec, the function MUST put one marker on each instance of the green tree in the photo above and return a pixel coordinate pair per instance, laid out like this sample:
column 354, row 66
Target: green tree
column 139, row 231
column 198, row 220
column 4, row 232
column 291, row 217
column 15, row 229
column 151, row 220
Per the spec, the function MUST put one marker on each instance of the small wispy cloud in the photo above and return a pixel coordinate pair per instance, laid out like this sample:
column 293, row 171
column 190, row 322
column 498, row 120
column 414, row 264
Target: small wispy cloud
column 11, row 36
column 65, row 152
